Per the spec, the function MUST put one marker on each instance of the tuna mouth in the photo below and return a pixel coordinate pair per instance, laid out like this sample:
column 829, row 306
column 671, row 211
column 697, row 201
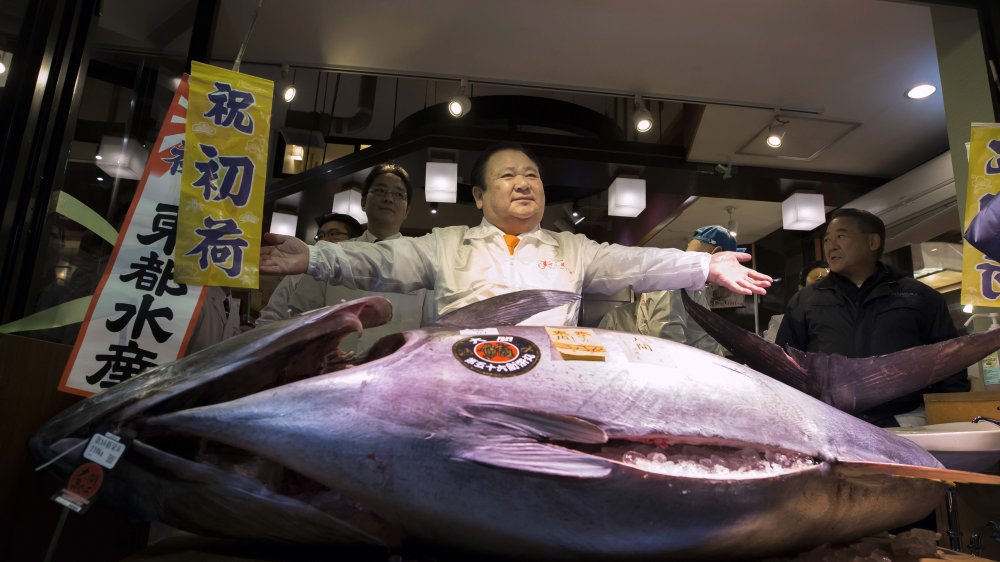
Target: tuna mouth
column 258, row 360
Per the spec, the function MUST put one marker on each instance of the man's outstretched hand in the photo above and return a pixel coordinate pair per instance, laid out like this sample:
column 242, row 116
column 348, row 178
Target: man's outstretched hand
column 725, row 270
column 280, row 254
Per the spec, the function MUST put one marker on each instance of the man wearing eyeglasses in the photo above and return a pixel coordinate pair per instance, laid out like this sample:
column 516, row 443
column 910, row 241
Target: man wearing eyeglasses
column 385, row 199
column 333, row 227
column 508, row 251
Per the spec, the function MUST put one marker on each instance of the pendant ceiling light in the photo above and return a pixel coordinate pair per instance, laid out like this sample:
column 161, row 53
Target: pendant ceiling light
column 283, row 223
column 803, row 211
column 441, row 182
column 626, row 197
column 348, row 202
column 121, row 157
column 733, row 226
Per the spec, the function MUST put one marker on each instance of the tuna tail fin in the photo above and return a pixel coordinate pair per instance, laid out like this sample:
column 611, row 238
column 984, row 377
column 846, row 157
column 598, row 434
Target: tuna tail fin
column 760, row 354
column 506, row 310
column 848, row 384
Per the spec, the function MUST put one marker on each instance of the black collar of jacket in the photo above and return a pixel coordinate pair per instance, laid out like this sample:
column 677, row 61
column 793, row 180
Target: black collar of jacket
column 883, row 281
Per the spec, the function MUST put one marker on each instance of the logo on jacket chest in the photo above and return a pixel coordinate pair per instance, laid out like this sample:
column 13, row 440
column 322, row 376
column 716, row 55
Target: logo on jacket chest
column 551, row 264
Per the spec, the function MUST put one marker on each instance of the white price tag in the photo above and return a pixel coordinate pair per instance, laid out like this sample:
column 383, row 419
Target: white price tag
column 105, row 449
column 479, row 332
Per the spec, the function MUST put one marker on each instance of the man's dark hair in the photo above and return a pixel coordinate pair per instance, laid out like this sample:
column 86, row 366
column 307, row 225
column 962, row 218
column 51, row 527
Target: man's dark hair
column 349, row 222
column 479, row 168
column 388, row 168
column 809, row 267
column 868, row 223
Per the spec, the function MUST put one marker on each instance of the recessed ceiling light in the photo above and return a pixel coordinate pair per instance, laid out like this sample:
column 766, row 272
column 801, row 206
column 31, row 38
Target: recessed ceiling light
column 921, row 91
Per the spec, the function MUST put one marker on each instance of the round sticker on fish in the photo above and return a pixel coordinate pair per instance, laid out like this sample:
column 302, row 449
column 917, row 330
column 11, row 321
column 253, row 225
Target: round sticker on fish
column 496, row 356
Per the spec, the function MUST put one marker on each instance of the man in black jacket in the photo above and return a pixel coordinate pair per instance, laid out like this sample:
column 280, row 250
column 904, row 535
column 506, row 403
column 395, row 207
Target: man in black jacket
column 865, row 308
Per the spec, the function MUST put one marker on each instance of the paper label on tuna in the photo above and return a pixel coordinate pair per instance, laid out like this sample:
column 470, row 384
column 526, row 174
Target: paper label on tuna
column 83, row 484
column 638, row 349
column 497, row 356
column 105, row 450
column 479, row 332
column 577, row 344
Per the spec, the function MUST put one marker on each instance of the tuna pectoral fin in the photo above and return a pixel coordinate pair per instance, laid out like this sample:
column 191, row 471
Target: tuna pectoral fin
column 760, row 354
column 509, row 437
column 506, row 310
column 860, row 469
column 526, row 455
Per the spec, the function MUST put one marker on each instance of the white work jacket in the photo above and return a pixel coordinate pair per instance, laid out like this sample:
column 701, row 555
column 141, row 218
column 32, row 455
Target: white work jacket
column 409, row 310
column 662, row 314
column 466, row 265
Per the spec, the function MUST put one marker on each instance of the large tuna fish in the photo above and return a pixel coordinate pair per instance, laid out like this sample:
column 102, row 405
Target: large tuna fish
column 490, row 440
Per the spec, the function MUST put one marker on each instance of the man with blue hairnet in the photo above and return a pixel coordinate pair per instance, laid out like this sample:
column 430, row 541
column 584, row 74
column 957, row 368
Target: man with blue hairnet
column 662, row 314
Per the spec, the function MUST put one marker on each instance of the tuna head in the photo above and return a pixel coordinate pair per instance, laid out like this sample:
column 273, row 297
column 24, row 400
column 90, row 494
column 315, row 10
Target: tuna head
column 492, row 440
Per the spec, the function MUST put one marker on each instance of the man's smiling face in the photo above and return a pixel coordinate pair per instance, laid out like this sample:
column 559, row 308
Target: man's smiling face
column 513, row 198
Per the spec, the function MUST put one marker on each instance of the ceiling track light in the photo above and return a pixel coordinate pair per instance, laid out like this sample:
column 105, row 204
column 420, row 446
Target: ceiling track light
column 460, row 104
column 288, row 94
column 776, row 131
column 733, row 225
column 641, row 117
column 434, row 208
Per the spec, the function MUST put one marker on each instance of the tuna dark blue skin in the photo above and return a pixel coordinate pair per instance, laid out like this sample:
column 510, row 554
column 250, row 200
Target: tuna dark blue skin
column 489, row 440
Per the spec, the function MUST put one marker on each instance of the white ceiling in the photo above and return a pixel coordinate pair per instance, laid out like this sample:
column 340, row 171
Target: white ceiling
column 839, row 60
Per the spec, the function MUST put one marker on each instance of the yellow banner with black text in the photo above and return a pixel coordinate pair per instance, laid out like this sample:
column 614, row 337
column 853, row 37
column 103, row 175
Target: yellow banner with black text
column 223, row 180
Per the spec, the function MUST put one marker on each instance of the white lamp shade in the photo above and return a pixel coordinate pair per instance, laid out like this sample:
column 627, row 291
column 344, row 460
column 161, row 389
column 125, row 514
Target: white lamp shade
column 627, row 197
column 121, row 159
column 348, row 202
column 441, row 182
column 803, row 211
column 283, row 223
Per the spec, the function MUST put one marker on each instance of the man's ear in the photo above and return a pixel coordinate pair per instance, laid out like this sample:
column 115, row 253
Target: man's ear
column 873, row 242
column 364, row 204
column 477, row 194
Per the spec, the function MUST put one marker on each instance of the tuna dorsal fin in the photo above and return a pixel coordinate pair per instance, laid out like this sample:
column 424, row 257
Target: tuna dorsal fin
column 760, row 354
column 506, row 310
column 862, row 469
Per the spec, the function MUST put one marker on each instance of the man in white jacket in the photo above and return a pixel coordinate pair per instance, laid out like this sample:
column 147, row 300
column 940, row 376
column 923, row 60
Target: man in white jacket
column 662, row 314
column 385, row 199
column 333, row 227
column 507, row 252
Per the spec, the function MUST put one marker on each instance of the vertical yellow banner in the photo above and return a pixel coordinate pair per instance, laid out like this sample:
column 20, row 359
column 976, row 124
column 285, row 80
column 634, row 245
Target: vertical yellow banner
column 223, row 178
column 980, row 274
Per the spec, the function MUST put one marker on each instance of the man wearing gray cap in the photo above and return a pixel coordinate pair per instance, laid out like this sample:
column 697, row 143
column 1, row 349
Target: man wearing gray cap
column 662, row 314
